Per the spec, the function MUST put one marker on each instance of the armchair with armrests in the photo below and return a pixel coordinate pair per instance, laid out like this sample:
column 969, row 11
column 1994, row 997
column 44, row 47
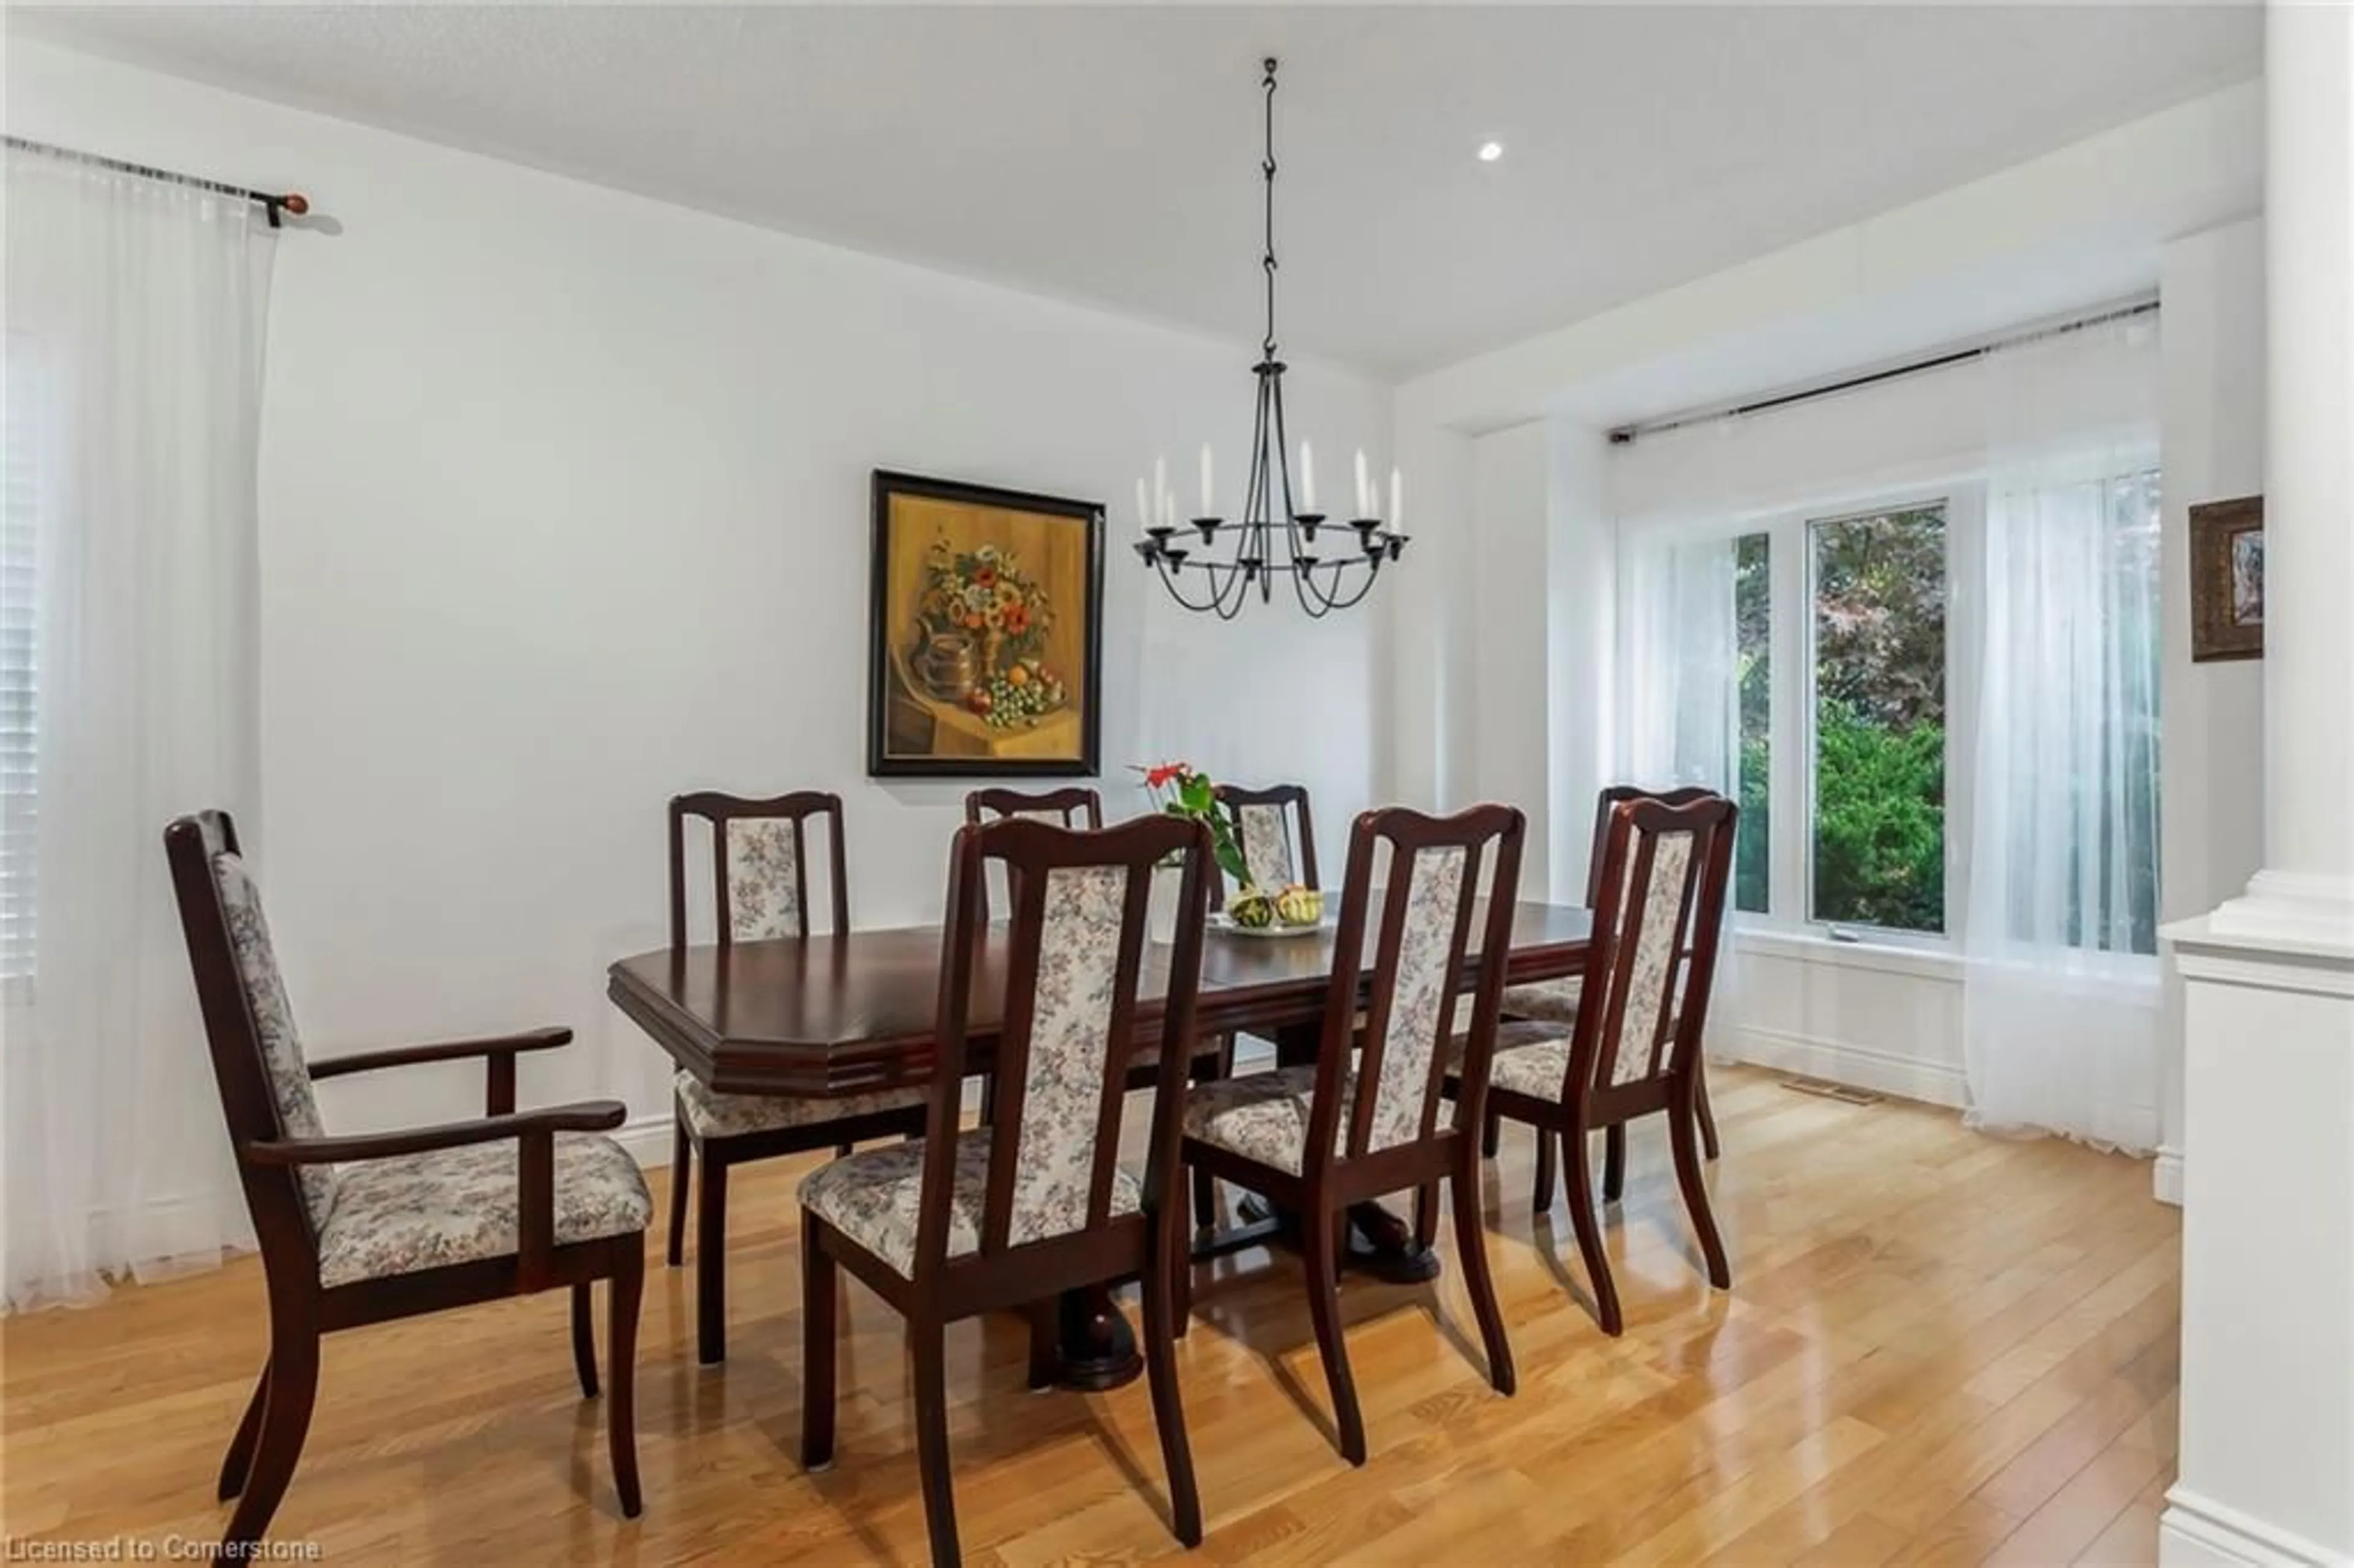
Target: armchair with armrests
column 376, row 1227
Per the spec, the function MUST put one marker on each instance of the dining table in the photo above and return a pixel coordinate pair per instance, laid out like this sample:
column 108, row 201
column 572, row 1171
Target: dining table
column 827, row 1016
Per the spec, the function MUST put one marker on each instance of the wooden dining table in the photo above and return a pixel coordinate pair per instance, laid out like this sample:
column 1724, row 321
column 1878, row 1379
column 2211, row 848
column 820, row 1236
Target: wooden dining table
column 836, row 1015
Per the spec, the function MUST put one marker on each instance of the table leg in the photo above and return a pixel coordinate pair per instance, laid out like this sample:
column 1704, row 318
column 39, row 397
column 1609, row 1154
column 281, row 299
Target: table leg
column 1095, row 1347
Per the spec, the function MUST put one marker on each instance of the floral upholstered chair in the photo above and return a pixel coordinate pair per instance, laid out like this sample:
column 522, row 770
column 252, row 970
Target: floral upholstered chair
column 759, row 882
column 366, row 1228
column 1662, row 875
column 1367, row 1119
column 1555, row 1002
column 1037, row 1203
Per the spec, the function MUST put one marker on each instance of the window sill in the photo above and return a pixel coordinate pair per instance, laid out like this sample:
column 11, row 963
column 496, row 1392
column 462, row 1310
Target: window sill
column 1886, row 958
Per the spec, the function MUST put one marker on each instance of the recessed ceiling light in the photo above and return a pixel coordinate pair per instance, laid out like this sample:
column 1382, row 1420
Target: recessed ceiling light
column 1491, row 151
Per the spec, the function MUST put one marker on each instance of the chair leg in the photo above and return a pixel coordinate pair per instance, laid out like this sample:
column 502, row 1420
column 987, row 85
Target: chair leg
column 294, row 1381
column 1687, row 1153
column 240, row 1458
column 1426, row 1215
column 1205, row 1186
column 1541, row 1189
column 819, row 1307
column 1471, row 1245
column 1161, row 1368
column 1492, row 1137
column 929, row 1346
column 1181, row 1286
column 681, row 1168
column 1614, row 1161
column 1707, row 1117
column 711, row 1262
column 1045, row 1327
column 622, row 1294
column 1318, row 1245
column 584, row 1340
column 843, row 1150
column 1588, row 1226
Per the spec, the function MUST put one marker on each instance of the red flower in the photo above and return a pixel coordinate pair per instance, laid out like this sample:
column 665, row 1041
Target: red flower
column 985, row 577
column 1156, row 778
column 1014, row 619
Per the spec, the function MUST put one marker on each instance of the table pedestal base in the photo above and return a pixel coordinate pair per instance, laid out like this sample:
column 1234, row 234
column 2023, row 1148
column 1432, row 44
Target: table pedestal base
column 1380, row 1243
column 1095, row 1347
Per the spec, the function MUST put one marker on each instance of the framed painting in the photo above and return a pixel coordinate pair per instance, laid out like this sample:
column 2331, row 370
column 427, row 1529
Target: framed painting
column 986, row 651
column 2227, row 579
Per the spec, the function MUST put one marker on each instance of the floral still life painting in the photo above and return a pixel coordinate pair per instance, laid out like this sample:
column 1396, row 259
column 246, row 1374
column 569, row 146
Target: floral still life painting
column 987, row 631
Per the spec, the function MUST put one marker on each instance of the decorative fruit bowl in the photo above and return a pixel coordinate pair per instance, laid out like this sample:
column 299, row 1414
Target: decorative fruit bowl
column 1254, row 912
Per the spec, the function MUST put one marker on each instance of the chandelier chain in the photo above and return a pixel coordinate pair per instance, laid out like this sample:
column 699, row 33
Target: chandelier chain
column 1267, row 167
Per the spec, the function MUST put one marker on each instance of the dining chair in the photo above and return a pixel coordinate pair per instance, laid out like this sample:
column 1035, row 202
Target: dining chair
column 1275, row 832
column 759, row 882
column 965, row 1222
column 1269, row 824
column 1634, row 1047
column 1074, row 807
column 370, row 1227
column 1317, row 1138
column 1555, row 1002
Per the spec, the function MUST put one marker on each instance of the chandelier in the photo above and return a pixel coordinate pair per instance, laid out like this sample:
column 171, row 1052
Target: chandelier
column 1274, row 540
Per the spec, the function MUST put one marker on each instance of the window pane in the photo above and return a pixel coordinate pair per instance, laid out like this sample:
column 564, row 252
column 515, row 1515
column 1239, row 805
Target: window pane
column 1753, row 614
column 1880, row 719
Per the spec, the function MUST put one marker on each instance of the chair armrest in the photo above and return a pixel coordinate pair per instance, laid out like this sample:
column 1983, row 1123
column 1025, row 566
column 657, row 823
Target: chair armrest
column 584, row 1116
column 441, row 1051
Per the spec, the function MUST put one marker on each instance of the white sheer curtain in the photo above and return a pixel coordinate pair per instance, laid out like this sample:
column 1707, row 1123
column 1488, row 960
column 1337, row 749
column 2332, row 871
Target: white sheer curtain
column 1679, row 702
column 2060, row 989
column 134, row 320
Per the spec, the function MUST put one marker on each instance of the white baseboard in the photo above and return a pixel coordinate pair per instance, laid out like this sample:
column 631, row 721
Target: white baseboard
column 2165, row 1177
column 2197, row 1531
column 1857, row 1066
column 647, row 1137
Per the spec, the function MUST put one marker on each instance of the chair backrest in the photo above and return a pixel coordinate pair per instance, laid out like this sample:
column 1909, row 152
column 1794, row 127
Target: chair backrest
column 1665, row 869
column 1608, row 801
column 1274, row 852
column 1421, row 923
column 257, row 1060
column 1065, row 1044
column 759, row 862
column 1076, row 807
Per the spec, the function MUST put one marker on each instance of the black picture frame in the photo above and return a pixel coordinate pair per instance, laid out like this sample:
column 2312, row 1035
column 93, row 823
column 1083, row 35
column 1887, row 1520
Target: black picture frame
column 913, row 730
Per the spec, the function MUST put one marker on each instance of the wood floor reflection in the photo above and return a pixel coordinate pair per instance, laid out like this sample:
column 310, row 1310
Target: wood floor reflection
column 1940, row 1347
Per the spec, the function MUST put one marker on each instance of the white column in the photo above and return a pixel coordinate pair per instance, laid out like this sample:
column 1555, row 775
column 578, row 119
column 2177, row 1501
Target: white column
column 2267, row 1469
column 2306, row 891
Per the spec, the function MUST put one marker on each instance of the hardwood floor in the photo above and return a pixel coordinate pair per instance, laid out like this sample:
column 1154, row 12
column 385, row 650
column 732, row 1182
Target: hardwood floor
column 1939, row 1349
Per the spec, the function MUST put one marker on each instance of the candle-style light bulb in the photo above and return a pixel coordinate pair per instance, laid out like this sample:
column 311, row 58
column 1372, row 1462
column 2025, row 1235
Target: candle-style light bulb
column 1169, row 509
column 1208, row 489
column 1398, row 500
column 1306, row 479
column 1143, row 506
column 1161, row 486
column 1365, row 489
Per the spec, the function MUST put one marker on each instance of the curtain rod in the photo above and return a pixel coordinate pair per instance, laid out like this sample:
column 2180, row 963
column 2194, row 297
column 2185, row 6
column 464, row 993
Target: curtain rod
column 1625, row 434
column 273, row 202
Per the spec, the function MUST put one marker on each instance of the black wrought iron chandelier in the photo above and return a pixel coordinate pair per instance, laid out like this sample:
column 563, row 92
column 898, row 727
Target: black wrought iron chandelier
column 1274, row 540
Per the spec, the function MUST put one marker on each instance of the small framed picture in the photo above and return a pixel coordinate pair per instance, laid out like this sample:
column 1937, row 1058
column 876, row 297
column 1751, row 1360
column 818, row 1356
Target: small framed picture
column 2227, row 579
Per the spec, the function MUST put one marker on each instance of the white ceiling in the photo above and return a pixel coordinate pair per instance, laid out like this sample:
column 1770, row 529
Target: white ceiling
column 1109, row 154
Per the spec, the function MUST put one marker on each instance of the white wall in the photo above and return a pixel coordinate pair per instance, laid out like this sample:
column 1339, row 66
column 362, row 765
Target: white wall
column 1509, row 758
column 2212, row 788
column 565, row 509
